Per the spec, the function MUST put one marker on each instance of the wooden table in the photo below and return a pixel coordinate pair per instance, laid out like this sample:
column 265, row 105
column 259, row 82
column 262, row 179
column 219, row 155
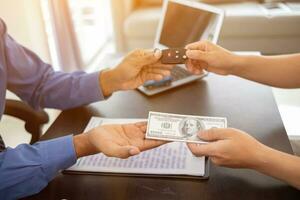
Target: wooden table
column 248, row 106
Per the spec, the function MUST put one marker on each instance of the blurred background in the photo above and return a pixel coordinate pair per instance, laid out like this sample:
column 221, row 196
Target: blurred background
column 78, row 34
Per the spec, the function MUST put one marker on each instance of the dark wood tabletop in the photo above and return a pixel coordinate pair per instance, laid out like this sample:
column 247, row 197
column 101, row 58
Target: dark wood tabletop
column 247, row 105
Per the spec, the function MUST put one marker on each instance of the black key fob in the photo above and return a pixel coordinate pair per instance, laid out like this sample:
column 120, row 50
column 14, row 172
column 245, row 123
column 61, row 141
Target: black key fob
column 173, row 56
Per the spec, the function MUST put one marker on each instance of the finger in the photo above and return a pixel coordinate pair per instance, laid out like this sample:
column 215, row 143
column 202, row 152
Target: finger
column 214, row 134
column 202, row 66
column 197, row 67
column 122, row 151
column 197, row 55
column 142, row 126
column 152, row 76
column 197, row 72
column 194, row 68
column 145, row 57
column 163, row 66
column 190, row 66
column 133, row 150
column 197, row 64
column 201, row 45
column 202, row 149
column 216, row 160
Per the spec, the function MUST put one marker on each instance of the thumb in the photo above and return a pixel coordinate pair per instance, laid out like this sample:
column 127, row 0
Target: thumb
column 146, row 57
column 197, row 55
column 213, row 134
column 133, row 151
column 124, row 151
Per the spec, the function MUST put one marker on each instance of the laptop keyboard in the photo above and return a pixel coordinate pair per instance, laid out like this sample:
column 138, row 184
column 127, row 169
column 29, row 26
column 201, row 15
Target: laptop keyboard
column 177, row 73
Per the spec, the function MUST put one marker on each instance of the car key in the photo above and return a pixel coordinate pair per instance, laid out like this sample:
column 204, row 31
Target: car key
column 173, row 56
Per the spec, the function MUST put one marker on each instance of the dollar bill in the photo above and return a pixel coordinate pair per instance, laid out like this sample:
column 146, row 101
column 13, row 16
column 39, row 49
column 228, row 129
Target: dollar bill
column 184, row 128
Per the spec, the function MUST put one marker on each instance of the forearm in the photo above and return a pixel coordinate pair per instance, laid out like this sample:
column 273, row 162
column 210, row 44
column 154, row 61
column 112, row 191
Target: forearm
column 40, row 86
column 67, row 90
column 279, row 165
column 27, row 169
column 278, row 71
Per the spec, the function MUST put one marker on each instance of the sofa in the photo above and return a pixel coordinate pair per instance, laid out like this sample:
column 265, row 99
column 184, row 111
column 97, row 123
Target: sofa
column 248, row 26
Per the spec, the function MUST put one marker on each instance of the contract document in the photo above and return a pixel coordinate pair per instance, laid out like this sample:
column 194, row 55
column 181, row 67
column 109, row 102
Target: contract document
column 171, row 160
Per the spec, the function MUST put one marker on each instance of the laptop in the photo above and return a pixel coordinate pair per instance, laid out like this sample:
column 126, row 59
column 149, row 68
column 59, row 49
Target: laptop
column 183, row 22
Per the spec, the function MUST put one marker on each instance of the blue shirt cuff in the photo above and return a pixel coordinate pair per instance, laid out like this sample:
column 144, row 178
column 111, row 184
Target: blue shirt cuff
column 57, row 154
column 91, row 81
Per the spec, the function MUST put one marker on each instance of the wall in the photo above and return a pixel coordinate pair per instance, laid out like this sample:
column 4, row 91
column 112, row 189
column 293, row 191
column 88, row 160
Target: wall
column 25, row 24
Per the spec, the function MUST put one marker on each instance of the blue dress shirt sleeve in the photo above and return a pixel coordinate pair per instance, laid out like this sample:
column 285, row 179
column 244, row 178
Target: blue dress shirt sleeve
column 27, row 169
column 40, row 86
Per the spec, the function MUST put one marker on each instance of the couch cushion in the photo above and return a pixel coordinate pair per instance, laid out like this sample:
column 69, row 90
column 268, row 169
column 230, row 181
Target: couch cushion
column 246, row 20
column 146, row 3
column 142, row 22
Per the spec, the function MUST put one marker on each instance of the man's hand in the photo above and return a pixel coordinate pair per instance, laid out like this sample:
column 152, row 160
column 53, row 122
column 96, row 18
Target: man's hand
column 230, row 148
column 136, row 68
column 210, row 57
column 121, row 141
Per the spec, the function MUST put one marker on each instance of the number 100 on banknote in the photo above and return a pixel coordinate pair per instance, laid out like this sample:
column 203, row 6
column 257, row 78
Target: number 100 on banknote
column 183, row 128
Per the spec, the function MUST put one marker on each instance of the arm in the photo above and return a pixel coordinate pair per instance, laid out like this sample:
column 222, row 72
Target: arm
column 280, row 165
column 27, row 169
column 228, row 148
column 39, row 85
column 279, row 71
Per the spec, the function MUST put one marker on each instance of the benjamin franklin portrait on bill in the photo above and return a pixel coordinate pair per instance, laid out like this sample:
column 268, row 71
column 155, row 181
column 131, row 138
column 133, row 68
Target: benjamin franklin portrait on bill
column 189, row 127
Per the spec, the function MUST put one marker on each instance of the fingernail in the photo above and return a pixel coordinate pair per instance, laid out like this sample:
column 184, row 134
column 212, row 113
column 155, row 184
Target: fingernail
column 133, row 151
column 187, row 53
column 157, row 53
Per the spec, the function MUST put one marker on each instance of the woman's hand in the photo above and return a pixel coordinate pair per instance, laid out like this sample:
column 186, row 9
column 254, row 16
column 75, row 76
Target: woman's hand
column 230, row 148
column 136, row 68
column 207, row 56
column 121, row 141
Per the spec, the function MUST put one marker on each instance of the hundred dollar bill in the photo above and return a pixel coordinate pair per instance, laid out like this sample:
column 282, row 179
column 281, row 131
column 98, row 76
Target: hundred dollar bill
column 184, row 128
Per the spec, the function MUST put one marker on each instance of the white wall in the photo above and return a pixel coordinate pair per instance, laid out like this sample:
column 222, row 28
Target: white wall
column 25, row 24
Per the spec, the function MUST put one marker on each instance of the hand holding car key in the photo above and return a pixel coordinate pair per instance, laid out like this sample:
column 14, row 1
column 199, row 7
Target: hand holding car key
column 169, row 56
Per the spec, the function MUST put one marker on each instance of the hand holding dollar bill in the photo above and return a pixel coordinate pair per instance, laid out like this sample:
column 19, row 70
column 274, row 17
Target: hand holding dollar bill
column 183, row 128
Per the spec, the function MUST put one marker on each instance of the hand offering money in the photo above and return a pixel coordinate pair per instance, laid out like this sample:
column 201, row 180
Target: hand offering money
column 184, row 128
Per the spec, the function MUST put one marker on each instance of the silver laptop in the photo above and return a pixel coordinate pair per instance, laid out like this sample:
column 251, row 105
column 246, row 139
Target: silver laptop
column 183, row 22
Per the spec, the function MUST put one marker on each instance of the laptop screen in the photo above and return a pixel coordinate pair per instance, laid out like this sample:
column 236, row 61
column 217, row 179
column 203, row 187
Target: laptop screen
column 184, row 24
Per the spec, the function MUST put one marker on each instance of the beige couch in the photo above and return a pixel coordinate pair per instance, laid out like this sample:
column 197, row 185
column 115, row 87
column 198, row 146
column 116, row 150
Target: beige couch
column 248, row 26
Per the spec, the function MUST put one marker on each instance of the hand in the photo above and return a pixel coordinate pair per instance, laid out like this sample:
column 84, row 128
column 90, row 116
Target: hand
column 212, row 58
column 230, row 148
column 119, row 141
column 137, row 67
